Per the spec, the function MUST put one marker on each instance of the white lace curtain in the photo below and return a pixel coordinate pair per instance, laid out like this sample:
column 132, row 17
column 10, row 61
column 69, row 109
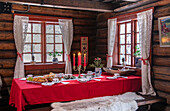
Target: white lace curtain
column 67, row 33
column 20, row 25
column 145, row 28
column 112, row 23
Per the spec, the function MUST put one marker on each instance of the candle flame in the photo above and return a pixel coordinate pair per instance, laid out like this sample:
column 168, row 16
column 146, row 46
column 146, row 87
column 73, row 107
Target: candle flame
column 79, row 53
column 74, row 54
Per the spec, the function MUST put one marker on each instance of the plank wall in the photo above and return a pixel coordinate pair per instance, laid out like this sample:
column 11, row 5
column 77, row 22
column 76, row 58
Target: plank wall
column 160, row 55
column 84, row 25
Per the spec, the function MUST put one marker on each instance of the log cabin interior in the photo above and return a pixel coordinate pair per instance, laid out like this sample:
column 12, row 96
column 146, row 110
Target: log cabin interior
column 118, row 32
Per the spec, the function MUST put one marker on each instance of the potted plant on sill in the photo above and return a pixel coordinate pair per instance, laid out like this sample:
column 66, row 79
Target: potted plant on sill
column 97, row 64
column 54, row 54
column 137, row 55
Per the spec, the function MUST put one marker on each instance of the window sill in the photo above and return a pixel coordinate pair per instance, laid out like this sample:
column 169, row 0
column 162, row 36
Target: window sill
column 39, row 66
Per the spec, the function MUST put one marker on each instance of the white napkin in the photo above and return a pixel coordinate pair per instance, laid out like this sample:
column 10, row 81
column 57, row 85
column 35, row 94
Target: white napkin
column 23, row 79
column 97, row 79
column 65, row 82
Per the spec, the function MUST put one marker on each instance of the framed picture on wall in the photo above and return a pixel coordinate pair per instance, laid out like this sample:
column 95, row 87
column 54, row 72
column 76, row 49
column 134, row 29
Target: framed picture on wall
column 164, row 31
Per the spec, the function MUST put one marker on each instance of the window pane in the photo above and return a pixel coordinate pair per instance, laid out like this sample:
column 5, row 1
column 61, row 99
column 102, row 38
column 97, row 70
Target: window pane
column 36, row 28
column 122, row 39
column 49, row 47
column 28, row 38
column 138, row 41
column 122, row 28
column 27, row 57
column 58, row 38
column 27, row 48
column 58, row 47
column 128, row 61
column 128, row 49
column 137, row 27
column 37, row 57
column 49, row 58
column 128, row 38
column 121, row 57
column 36, row 38
column 49, row 28
column 57, row 29
column 29, row 27
column 122, row 49
column 60, row 58
column 128, row 27
column 49, row 38
column 36, row 47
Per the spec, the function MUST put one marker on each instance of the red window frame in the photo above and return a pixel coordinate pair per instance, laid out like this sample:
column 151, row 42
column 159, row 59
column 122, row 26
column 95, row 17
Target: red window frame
column 133, row 41
column 43, row 19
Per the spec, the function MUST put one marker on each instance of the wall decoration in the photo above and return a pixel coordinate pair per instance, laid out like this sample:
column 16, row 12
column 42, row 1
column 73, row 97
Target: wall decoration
column 84, row 48
column 164, row 31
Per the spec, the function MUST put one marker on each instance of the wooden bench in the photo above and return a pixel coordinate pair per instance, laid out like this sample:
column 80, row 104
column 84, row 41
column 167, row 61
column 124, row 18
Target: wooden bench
column 149, row 100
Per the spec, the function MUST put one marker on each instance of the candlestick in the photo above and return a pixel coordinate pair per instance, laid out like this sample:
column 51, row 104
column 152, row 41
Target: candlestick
column 79, row 65
column 84, row 59
column 74, row 60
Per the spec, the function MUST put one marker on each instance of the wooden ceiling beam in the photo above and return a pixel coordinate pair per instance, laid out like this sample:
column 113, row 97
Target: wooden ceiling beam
column 134, row 5
column 68, row 4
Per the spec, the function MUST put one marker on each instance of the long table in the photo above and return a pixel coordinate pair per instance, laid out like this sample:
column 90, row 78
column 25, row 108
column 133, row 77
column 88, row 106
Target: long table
column 23, row 93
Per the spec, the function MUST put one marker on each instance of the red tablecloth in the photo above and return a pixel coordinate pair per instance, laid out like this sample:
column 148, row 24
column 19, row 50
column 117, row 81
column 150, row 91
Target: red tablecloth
column 23, row 93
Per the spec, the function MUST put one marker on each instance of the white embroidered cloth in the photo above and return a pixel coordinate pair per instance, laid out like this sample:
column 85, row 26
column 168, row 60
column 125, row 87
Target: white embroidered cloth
column 124, row 102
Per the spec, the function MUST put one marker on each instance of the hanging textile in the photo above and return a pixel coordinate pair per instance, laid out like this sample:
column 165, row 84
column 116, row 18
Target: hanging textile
column 145, row 29
column 67, row 33
column 20, row 26
column 112, row 23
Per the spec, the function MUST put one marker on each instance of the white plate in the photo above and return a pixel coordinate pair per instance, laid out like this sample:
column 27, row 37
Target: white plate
column 23, row 79
column 65, row 82
column 47, row 84
column 111, row 77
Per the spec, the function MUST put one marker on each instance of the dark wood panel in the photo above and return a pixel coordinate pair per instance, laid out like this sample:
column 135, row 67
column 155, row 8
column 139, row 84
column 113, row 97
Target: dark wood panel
column 162, row 85
column 7, row 72
column 164, row 95
column 84, row 30
column 161, row 61
column 6, row 26
column 101, row 49
column 45, row 71
column 102, row 24
column 103, row 17
column 56, row 12
column 101, row 41
column 156, row 38
column 7, row 46
column 7, row 63
column 102, row 33
column 7, row 81
column 162, row 11
column 162, row 76
column 6, row 17
column 85, row 22
column 161, row 51
column 6, row 36
column 7, row 54
column 161, row 70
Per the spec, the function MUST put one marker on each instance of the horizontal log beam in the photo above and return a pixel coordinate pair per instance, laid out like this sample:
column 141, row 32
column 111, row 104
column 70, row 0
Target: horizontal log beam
column 161, row 51
column 161, row 61
column 68, row 4
column 164, row 95
column 6, row 17
column 7, row 72
column 7, row 46
column 162, row 85
column 161, row 70
column 162, row 76
column 6, row 26
column 6, row 36
column 7, row 81
column 7, row 63
column 7, row 54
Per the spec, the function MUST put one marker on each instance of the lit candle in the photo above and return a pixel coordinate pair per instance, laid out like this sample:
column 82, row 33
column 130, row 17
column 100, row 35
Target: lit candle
column 84, row 59
column 79, row 59
column 73, row 59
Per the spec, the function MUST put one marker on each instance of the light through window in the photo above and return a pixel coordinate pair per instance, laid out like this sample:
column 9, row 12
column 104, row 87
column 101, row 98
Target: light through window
column 42, row 37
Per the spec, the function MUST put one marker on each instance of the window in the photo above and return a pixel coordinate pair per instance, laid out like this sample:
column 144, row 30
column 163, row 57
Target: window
column 42, row 37
column 128, row 35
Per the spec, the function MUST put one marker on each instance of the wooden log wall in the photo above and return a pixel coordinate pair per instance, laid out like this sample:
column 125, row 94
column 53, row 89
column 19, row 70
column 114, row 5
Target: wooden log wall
column 84, row 25
column 160, row 55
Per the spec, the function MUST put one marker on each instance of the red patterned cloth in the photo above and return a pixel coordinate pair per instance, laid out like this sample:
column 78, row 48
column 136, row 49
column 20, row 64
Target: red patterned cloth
column 23, row 93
